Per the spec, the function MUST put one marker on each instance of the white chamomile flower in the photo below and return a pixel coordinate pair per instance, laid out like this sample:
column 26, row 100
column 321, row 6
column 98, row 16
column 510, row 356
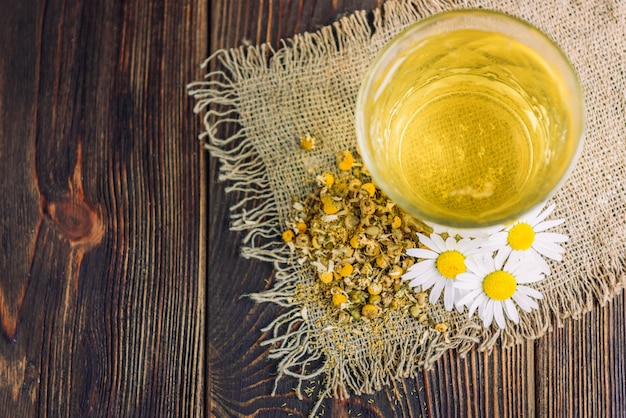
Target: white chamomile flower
column 442, row 262
column 526, row 238
column 494, row 285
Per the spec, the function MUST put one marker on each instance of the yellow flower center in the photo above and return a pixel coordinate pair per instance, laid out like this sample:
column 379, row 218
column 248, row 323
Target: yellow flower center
column 521, row 237
column 450, row 264
column 499, row 285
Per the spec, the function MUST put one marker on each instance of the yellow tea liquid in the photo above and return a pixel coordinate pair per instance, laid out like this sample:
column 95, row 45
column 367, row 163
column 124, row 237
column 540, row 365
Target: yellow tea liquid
column 467, row 121
column 467, row 150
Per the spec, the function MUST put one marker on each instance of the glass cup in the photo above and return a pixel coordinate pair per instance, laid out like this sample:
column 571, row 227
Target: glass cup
column 469, row 119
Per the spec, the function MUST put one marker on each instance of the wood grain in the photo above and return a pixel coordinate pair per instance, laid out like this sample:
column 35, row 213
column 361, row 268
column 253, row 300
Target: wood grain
column 577, row 370
column 581, row 366
column 102, row 290
column 104, row 308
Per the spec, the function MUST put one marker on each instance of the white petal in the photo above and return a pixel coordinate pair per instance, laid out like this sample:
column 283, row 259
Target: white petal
column 422, row 267
column 551, row 237
column 416, row 289
column 532, row 276
column 549, row 249
column 419, row 274
column 427, row 242
column 473, row 267
column 421, row 237
column 477, row 302
column 466, row 245
column 479, row 265
column 490, row 263
column 517, row 263
column 429, row 281
column 534, row 217
column 472, row 308
column 411, row 273
column 529, row 291
column 501, row 257
column 546, row 212
column 439, row 244
column 498, row 315
column 415, row 283
column 533, row 303
column 435, row 292
column 468, row 281
column 527, row 266
column 418, row 282
column 421, row 253
column 500, row 236
column 471, row 297
column 487, row 314
column 449, row 294
column 496, row 241
column 458, row 295
column 459, row 307
column 450, row 243
column 542, row 270
column 548, row 224
column 523, row 301
column 533, row 271
column 481, row 307
column 510, row 310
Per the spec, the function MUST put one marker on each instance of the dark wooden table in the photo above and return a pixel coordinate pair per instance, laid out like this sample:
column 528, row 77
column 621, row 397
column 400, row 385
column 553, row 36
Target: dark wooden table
column 578, row 370
column 107, row 304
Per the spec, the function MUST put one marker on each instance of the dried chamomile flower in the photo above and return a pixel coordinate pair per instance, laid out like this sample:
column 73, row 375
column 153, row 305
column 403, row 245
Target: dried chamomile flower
column 325, row 180
column 345, row 269
column 369, row 311
column 340, row 300
column 441, row 327
column 301, row 227
column 345, row 160
column 374, row 289
column 370, row 189
column 307, row 142
column 330, row 206
column 326, row 277
column 355, row 239
column 288, row 235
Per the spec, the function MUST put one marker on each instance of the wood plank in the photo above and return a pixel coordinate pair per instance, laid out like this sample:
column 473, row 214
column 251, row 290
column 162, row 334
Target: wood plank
column 20, row 211
column 581, row 366
column 104, row 238
column 240, row 378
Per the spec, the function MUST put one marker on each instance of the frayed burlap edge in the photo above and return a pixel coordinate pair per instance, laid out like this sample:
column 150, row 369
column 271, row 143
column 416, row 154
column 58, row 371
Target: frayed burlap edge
column 306, row 346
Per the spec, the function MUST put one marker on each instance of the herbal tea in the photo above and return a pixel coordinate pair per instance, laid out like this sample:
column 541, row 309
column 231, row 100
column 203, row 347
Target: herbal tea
column 469, row 126
column 468, row 140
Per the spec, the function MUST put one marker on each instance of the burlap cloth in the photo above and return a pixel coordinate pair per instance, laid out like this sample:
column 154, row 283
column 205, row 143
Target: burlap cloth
column 309, row 85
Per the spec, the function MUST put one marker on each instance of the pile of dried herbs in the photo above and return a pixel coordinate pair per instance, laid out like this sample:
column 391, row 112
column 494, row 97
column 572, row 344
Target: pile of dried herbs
column 355, row 239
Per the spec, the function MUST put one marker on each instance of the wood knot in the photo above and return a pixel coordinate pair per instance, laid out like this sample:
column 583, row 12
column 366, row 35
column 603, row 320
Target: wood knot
column 79, row 223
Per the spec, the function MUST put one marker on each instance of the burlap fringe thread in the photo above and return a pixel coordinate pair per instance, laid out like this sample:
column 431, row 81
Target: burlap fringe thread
column 303, row 339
